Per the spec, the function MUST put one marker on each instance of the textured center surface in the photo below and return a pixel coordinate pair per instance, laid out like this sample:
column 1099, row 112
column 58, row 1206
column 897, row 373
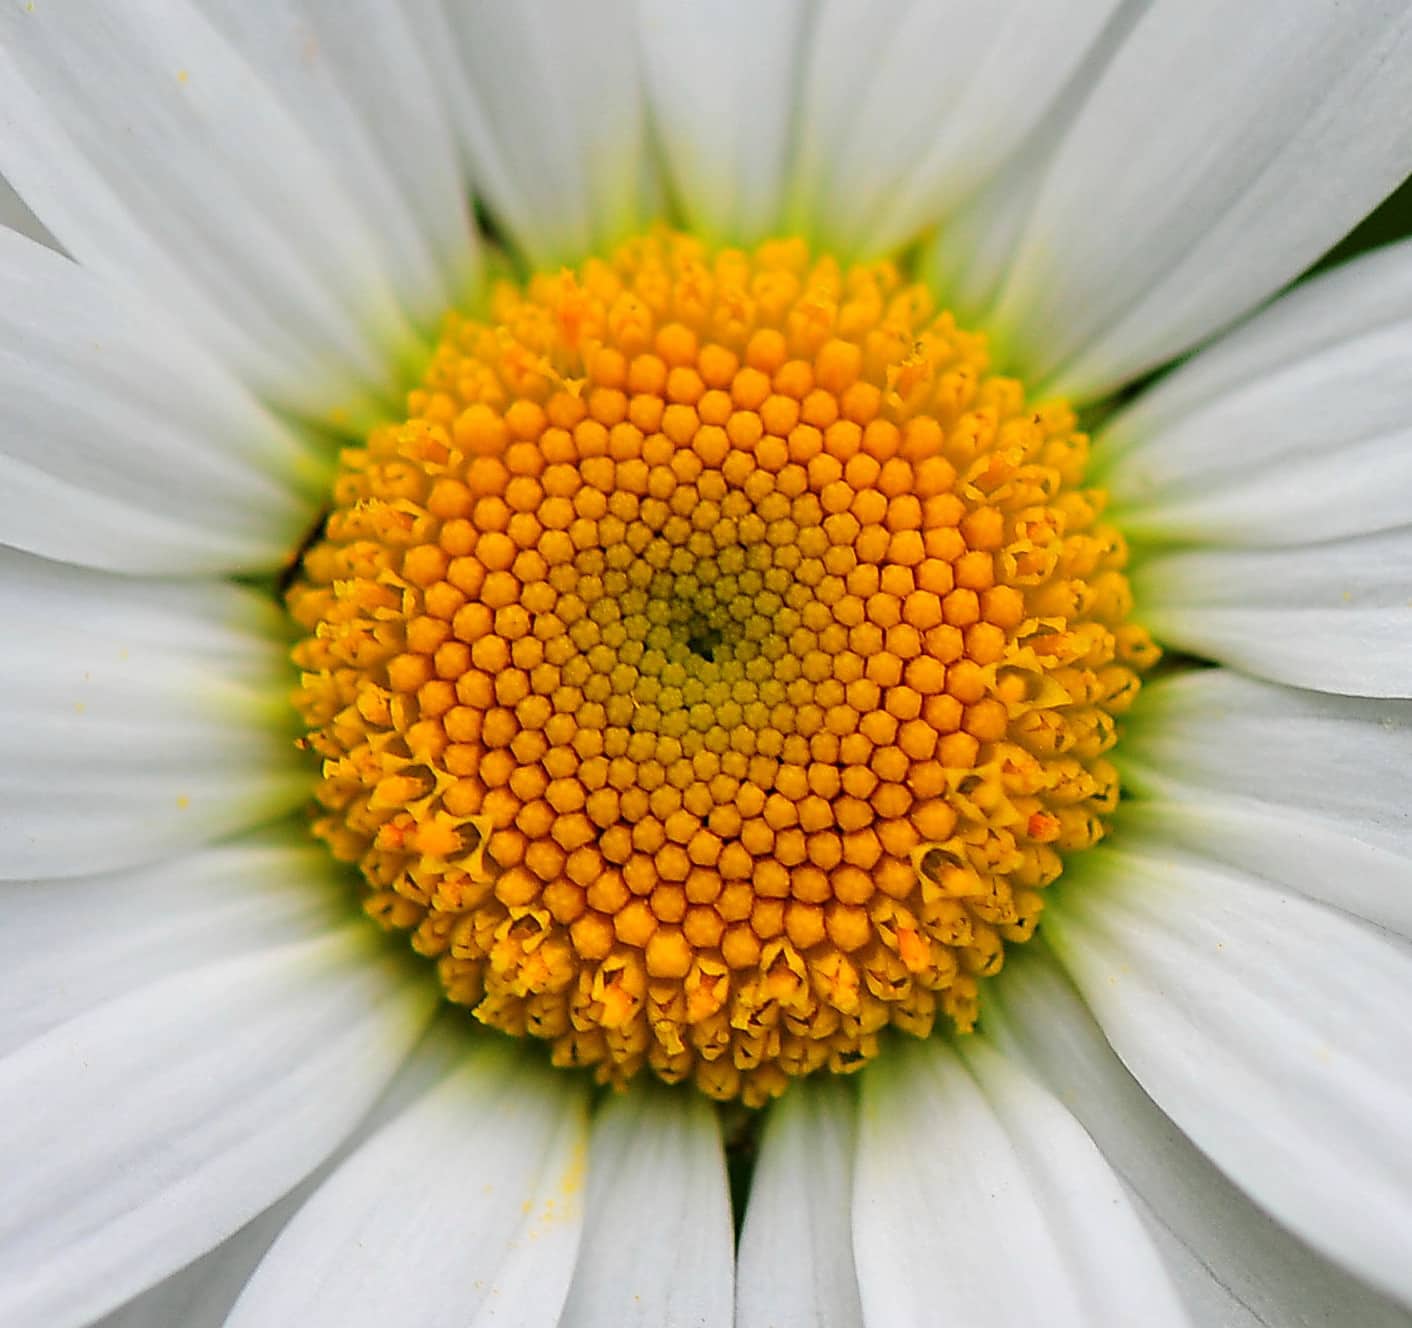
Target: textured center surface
column 714, row 668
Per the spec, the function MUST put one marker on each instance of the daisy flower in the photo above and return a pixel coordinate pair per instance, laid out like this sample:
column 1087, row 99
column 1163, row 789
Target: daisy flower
column 881, row 808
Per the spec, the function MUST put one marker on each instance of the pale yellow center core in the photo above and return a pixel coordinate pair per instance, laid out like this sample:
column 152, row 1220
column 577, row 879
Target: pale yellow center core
column 715, row 667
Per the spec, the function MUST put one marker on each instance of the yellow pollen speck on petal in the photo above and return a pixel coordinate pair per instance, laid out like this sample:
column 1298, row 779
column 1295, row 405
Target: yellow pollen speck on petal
column 716, row 665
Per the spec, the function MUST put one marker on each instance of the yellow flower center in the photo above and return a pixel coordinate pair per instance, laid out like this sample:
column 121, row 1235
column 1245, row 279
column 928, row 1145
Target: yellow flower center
column 714, row 668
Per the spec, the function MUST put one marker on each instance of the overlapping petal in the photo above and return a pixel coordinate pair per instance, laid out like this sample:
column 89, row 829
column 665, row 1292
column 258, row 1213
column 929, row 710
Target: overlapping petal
column 203, row 1293
column 906, row 109
column 1294, row 429
column 978, row 1199
column 465, row 1208
column 354, row 78
column 1198, row 177
column 157, row 154
column 158, row 1123
column 123, row 445
column 1269, row 1027
column 1231, row 1263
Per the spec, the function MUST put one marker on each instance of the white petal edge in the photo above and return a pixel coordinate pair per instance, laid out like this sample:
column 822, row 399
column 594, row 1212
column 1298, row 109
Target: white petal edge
column 353, row 78
column 1294, row 428
column 906, row 109
column 550, row 110
column 1309, row 790
column 658, row 1248
column 157, row 155
column 155, row 1126
column 795, row 1264
column 1270, row 1028
column 123, row 445
column 70, row 945
column 1176, row 204
column 721, row 84
column 465, row 1210
column 202, row 1294
column 978, row 1199
column 1335, row 617
column 142, row 718
column 1233, row 1265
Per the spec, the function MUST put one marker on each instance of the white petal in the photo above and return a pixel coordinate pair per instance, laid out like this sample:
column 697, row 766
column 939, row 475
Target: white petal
column 123, row 445
column 1309, row 790
column 969, row 257
column 796, row 1246
column 202, row 1294
column 1295, row 428
column 1271, row 1029
column 352, row 76
column 70, row 945
column 657, row 1247
column 907, row 108
column 141, row 1134
column 157, row 155
column 141, row 718
column 550, row 109
column 979, row 1200
column 721, row 81
column 466, row 1209
column 1335, row 616
column 1233, row 1264
column 1176, row 203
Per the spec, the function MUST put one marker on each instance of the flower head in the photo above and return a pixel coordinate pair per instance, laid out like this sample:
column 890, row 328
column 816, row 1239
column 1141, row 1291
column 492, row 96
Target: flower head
column 712, row 671
column 662, row 507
